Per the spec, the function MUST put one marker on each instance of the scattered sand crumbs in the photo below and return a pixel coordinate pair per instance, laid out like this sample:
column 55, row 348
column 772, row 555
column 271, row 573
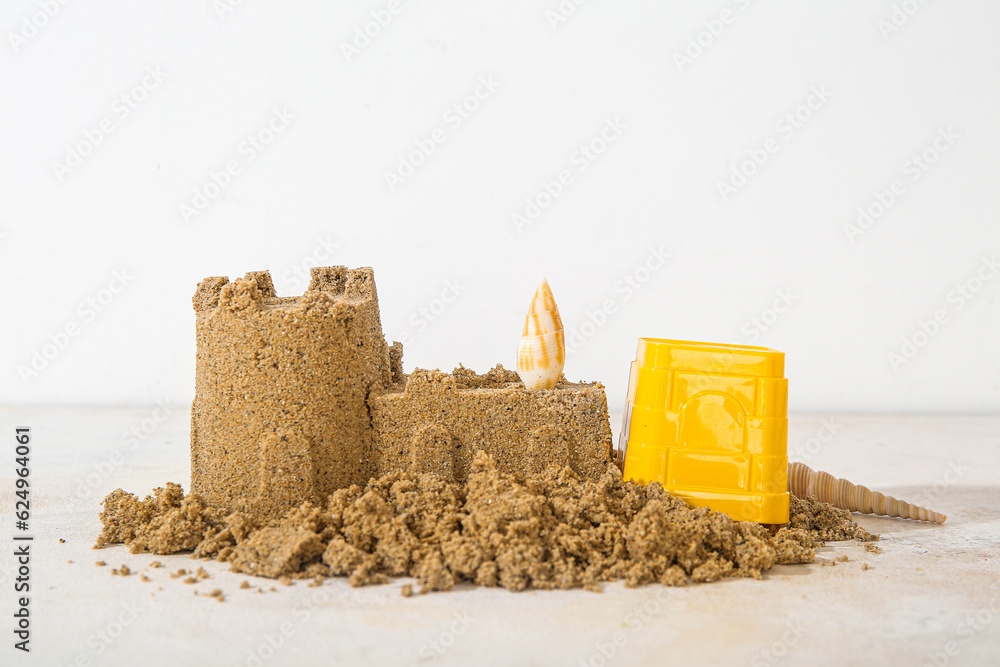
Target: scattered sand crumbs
column 828, row 523
column 874, row 548
column 156, row 563
column 245, row 584
column 123, row 571
column 547, row 530
column 100, row 563
column 217, row 594
column 145, row 578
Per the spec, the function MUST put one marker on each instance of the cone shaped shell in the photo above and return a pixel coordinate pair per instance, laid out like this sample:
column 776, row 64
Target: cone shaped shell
column 543, row 315
column 541, row 353
column 803, row 481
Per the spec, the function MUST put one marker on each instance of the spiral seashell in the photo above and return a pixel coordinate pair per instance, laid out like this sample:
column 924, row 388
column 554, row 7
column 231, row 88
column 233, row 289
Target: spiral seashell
column 542, row 352
column 803, row 481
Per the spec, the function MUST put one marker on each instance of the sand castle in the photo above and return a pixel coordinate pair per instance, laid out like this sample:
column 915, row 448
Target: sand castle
column 300, row 399
column 297, row 397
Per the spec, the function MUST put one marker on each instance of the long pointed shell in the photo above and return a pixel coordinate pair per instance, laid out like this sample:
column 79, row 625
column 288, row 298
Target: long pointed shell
column 803, row 481
column 542, row 351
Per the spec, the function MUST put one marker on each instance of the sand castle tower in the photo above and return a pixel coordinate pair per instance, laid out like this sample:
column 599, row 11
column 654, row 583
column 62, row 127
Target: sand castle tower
column 280, row 410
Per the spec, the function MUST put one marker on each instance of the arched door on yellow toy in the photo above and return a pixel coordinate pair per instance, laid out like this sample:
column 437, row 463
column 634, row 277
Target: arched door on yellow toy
column 711, row 447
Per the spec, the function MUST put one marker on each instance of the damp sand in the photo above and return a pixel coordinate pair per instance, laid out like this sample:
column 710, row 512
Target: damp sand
column 547, row 530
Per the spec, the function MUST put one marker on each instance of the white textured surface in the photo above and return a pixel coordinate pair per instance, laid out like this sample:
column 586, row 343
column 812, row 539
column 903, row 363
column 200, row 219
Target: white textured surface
column 771, row 264
column 933, row 589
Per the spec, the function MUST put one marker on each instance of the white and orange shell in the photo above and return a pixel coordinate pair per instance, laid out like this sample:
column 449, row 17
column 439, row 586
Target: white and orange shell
column 542, row 352
column 803, row 481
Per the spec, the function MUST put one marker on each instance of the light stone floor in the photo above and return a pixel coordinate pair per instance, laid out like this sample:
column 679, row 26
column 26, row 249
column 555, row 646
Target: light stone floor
column 931, row 597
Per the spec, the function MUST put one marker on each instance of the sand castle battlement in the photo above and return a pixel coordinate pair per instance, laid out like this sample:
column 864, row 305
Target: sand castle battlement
column 296, row 397
column 437, row 421
column 339, row 281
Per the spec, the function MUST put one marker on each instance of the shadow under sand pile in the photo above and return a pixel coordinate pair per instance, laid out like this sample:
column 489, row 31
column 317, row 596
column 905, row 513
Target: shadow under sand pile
column 545, row 531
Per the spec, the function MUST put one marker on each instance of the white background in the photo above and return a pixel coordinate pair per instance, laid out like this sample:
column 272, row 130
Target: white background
column 318, row 193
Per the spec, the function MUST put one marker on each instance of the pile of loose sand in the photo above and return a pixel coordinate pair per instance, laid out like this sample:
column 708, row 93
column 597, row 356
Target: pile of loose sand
column 545, row 531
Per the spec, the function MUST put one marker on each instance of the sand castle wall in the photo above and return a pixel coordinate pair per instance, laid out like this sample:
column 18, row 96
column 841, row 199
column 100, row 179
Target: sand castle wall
column 279, row 414
column 436, row 421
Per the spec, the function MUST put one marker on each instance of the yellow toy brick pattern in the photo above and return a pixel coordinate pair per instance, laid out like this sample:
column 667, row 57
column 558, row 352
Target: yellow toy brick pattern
column 709, row 422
